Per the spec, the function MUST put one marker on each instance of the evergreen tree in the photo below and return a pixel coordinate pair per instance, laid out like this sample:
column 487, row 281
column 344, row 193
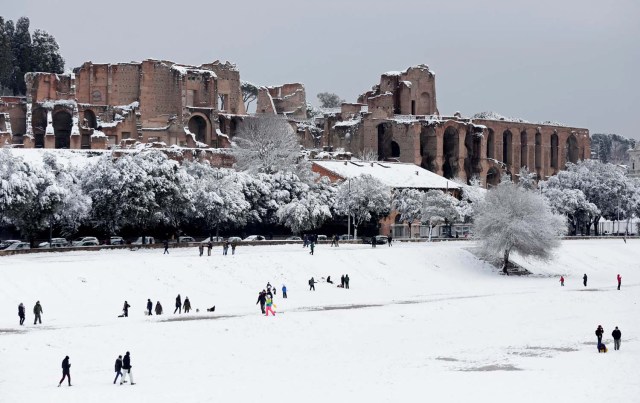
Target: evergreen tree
column 6, row 60
column 46, row 53
column 21, row 48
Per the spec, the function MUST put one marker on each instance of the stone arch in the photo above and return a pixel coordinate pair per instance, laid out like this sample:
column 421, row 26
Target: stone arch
column 428, row 148
column 450, row 153
column 385, row 134
column 538, row 156
column 572, row 149
column 507, row 147
column 493, row 177
column 62, row 124
column 199, row 125
column 473, row 146
column 395, row 150
column 39, row 126
column 491, row 144
column 554, row 150
column 90, row 118
column 524, row 148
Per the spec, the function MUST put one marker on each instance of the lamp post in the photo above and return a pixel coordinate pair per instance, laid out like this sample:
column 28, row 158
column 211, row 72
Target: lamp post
column 349, row 212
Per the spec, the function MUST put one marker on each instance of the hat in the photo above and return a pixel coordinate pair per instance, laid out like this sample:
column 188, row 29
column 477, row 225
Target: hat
column 127, row 353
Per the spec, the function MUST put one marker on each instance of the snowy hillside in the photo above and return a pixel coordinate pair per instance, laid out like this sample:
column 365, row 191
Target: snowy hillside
column 419, row 322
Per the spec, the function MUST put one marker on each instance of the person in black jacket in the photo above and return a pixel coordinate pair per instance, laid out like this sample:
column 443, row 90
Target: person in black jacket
column 21, row 313
column 599, row 332
column 125, row 309
column 617, row 335
column 66, row 367
column 187, row 305
column 118, row 368
column 178, row 305
column 166, row 247
column 346, row 281
column 126, row 369
column 149, row 306
column 262, row 299
column 584, row 279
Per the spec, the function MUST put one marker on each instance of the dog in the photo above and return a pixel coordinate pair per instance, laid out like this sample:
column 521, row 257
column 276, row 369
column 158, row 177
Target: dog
column 212, row 309
column 602, row 348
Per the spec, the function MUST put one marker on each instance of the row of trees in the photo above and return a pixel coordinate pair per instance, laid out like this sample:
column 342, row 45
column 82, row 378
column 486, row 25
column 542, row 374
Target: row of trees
column 20, row 53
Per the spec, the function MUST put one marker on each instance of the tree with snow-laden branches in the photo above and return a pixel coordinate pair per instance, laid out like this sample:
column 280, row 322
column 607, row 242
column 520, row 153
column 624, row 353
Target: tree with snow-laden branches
column 513, row 219
column 438, row 207
column 472, row 194
column 573, row 204
column 408, row 204
column 362, row 197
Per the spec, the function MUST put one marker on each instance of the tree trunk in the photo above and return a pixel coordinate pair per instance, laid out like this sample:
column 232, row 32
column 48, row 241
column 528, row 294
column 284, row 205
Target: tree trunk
column 505, row 262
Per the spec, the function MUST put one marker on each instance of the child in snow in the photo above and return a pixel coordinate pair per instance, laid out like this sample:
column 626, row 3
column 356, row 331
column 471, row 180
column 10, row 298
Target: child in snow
column 562, row 281
column 270, row 306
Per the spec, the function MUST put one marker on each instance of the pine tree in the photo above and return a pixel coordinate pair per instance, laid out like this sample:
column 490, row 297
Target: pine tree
column 21, row 48
column 6, row 59
column 46, row 53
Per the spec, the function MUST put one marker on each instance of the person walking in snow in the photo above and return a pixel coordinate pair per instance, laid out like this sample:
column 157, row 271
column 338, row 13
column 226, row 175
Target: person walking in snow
column 312, row 246
column 599, row 332
column 166, row 247
column 346, row 281
column 233, row 247
column 21, row 313
column 149, row 306
column 118, row 367
column 187, row 305
column 125, row 309
column 389, row 238
column 373, row 242
column 225, row 247
column 262, row 299
column 305, row 240
column 269, row 304
column 562, row 281
column 284, row 291
column 209, row 247
column 201, row 249
column 37, row 311
column 126, row 369
column 158, row 308
column 268, row 287
column 584, row 279
column 312, row 285
column 66, row 371
column 619, row 278
column 178, row 304
column 342, row 281
column 617, row 335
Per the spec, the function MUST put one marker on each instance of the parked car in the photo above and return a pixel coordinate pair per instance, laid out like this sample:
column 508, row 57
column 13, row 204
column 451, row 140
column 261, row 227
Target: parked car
column 380, row 239
column 85, row 241
column 183, row 239
column 235, row 239
column 254, row 238
column 346, row 237
column 18, row 246
column 7, row 243
column 294, row 238
column 147, row 240
column 322, row 237
column 213, row 239
column 116, row 240
column 55, row 243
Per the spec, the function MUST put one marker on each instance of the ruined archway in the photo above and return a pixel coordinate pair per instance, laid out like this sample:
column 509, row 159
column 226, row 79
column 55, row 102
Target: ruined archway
column 491, row 144
column 89, row 119
column 62, row 124
column 538, row 161
column 428, row 148
column 385, row 134
column 524, row 154
column 395, row 150
column 554, row 150
column 572, row 149
column 450, row 153
column 198, row 126
column 507, row 143
column 493, row 177
column 473, row 145
column 39, row 126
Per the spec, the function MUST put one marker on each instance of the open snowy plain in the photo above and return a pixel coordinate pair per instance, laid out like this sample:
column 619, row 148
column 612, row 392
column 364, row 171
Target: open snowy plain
column 421, row 322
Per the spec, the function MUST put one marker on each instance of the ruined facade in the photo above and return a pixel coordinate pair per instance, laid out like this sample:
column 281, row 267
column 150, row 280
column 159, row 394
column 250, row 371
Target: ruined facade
column 288, row 100
column 102, row 105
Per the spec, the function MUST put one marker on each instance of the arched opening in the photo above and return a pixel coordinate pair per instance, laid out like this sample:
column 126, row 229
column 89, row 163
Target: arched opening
column 428, row 148
column 472, row 144
column 450, row 153
column 384, row 141
column 62, row 123
column 90, row 119
column 198, row 126
column 493, row 177
column 538, row 150
column 572, row 149
column 491, row 143
column 395, row 150
column 507, row 143
column 524, row 154
column 39, row 126
column 554, row 150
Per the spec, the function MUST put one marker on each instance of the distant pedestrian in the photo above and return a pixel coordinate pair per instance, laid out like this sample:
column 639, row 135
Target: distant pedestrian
column 390, row 238
column 201, row 249
column 262, row 299
column 187, row 305
column 312, row 246
column 149, row 306
column 268, row 286
column 118, row 368
column 346, row 281
column 158, row 308
column 209, row 247
column 126, row 369
column 166, row 247
column 305, row 240
column 619, row 281
column 21, row 313
column 284, row 291
column 334, row 240
column 342, row 281
column 584, row 279
column 312, row 285
column 562, row 281
column 373, row 241
column 599, row 332
column 225, row 247
column 269, row 293
column 617, row 335
column 329, row 280
column 37, row 311
column 125, row 309
column 233, row 247
column 66, row 371
column 269, row 304
column 178, row 304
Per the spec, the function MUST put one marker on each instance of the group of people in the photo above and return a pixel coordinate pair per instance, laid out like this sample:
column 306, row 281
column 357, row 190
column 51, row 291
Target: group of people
column 616, row 334
column 158, row 309
column 122, row 367
column 225, row 247
column 37, row 313
column 585, row 278
column 265, row 299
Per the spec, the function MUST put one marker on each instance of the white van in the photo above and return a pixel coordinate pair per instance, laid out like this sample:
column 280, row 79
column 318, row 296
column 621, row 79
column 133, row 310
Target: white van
column 147, row 240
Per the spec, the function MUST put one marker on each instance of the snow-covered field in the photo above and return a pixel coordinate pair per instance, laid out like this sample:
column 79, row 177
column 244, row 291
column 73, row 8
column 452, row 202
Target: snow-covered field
column 421, row 322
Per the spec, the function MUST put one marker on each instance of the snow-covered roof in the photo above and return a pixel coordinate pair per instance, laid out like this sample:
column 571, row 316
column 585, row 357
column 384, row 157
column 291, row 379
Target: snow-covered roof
column 393, row 174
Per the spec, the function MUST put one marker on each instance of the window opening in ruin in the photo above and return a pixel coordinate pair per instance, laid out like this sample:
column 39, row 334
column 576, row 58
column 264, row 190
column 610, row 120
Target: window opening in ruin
column 413, row 107
column 507, row 148
column 554, row 150
column 126, row 135
column 90, row 119
column 223, row 101
column 538, row 151
column 493, row 177
column 62, row 123
column 450, row 153
column 491, row 145
column 85, row 141
column 428, row 148
column 572, row 149
column 384, row 141
column 39, row 126
column 524, row 158
column 198, row 126
column 395, row 150
column 472, row 144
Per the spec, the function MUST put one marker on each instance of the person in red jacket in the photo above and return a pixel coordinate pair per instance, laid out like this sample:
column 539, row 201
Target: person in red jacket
column 619, row 281
column 562, row 281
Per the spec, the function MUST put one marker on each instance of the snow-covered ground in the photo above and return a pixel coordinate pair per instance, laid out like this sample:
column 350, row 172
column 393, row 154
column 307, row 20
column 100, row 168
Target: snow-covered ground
column 421, row 322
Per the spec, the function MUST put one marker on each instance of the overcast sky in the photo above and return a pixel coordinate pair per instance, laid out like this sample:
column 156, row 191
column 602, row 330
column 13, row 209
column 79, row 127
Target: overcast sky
column 572, row 61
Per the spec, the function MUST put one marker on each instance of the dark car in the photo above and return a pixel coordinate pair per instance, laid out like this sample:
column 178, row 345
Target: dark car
column 380, row 239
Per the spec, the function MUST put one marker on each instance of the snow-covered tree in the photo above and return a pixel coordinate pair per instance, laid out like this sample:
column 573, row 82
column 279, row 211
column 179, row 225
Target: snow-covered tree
column 408, row 204
column 571, row 203
column 472, row 194
column 17, row 184
column 363, row 197
column 303, row 214
column 438, row 207
column 513, row 219
column 527, row 180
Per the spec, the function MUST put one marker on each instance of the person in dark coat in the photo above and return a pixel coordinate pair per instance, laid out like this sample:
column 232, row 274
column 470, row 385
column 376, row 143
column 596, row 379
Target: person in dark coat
column 390, row 238
column 21, row 313
column 262, row 299
column 201, row 249
column 166, row 247
column 346, row 281
column 126, row 369
column 118, row 368
column 37, row 311
column 617, row 335
column 312, row 285
column 125, row 309
column 149, row 306
column 187, row 305
column 329, row 280
column 599, row 332
column 209, row 247
column 225, row 247
column 233, row 247
column 158, row 308
column 66, row 371
column 312, row 246
column 342, row 281
column 584, row 279
column 373, row 242
column 178, row 304
column 284, row 291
